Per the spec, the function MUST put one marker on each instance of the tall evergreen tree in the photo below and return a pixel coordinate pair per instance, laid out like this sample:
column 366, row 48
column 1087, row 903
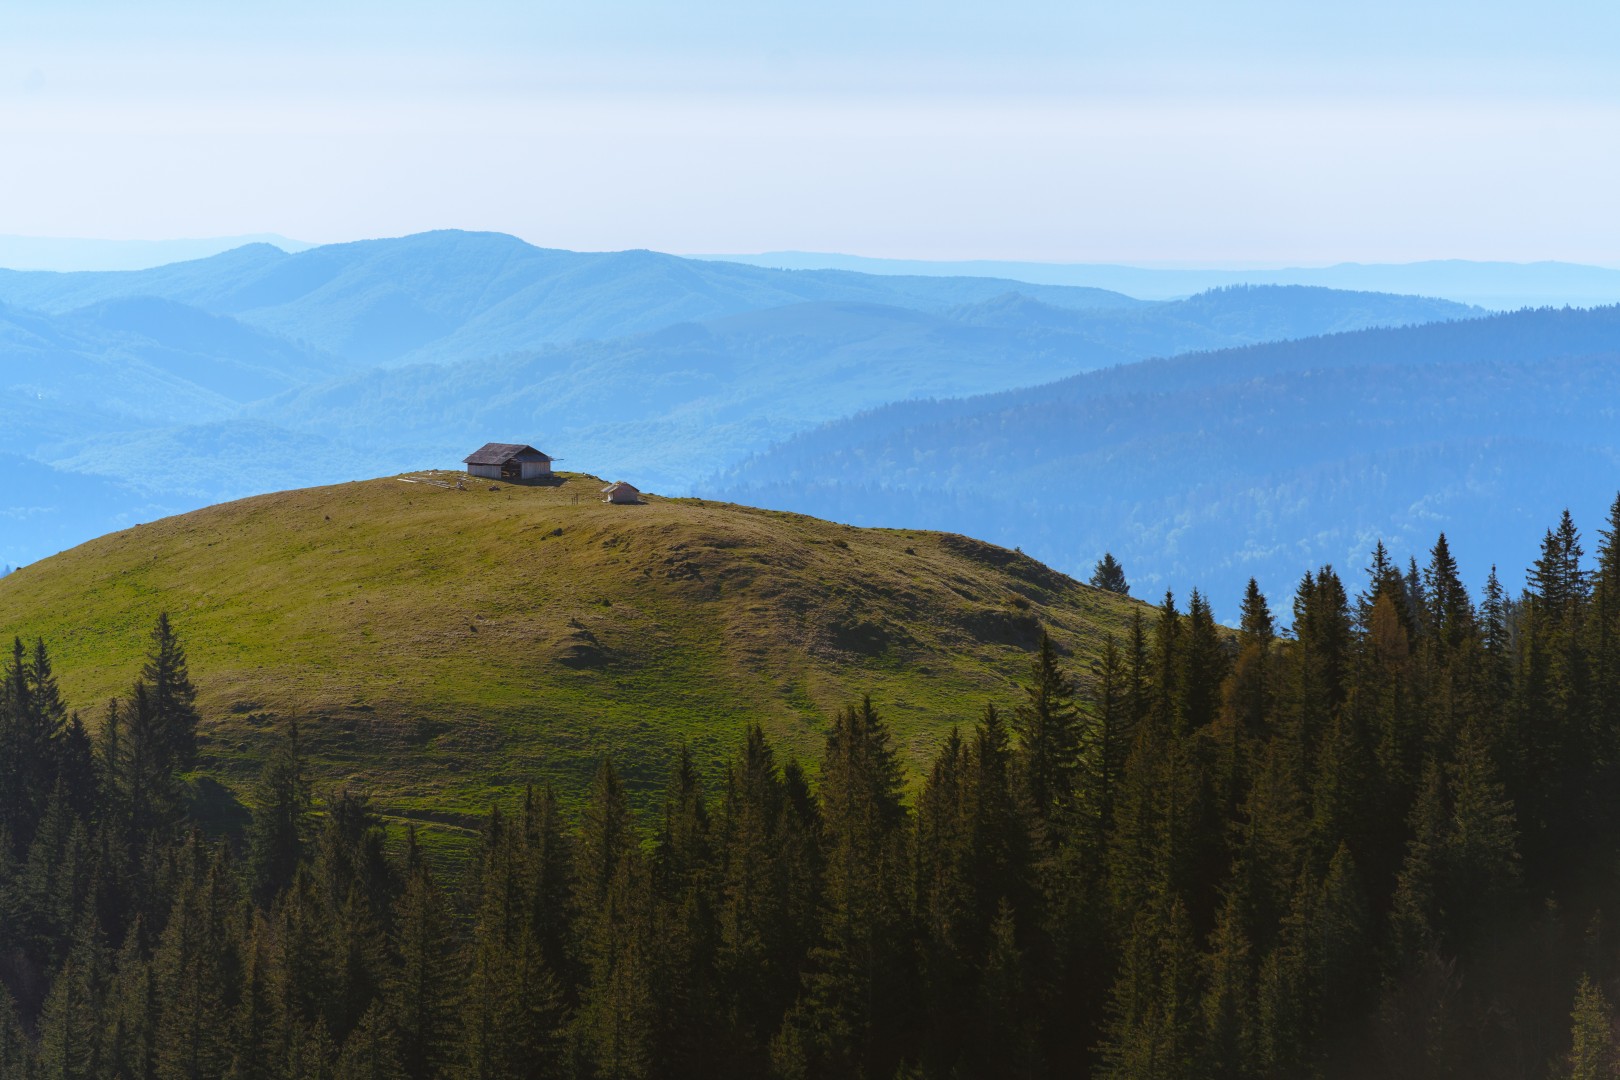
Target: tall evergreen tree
column 1592, row 1053
column 197, row 971
column 423, row 983
column 1048, row 724
column 853, row 1014
column 280, row 825
column 1110, row 575
column 173, row 697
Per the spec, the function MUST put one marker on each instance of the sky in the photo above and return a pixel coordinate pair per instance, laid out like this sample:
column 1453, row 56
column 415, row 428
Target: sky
column 1245, row 133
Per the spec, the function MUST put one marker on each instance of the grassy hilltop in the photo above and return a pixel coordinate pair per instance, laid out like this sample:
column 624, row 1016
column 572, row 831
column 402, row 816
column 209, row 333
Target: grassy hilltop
column 443, row 646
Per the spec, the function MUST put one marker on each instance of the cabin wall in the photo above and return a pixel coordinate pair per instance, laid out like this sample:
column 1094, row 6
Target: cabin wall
column 535, row 469
column 493, row 472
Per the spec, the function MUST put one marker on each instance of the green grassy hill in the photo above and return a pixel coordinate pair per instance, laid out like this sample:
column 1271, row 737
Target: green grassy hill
column 441, row 646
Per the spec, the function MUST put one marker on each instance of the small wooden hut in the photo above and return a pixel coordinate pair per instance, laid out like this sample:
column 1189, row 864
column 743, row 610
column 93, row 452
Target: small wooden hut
column 621, row 492
column 508, row 461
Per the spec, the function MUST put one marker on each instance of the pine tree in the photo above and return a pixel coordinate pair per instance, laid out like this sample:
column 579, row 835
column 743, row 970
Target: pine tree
column 1592, row 1054
column 685, row 882
column 152, row 793
column 423, row 983
column 1481, row 858
column 76, row 769
column 1228, row 995
column 1286, row 1007
column 371, row 1052
column 258, row 1035
column 1414, row 921
column 513, row 1010
column 280, row 825
column 946, row 905
column 1047, row 722
column 1153, row 1018
column 1003, row 1041
column 305, row 957
column 173, row 696
column 1450, row 612
column 71, row 1044
column 853, row 1013
column 1105, row 743
column 131, row 1036
column 1203, row 666
column 1342, row 925
column 1110, row 575
column 197, row 972
column 616, row 1026
column 759, row 952
column 31, row 714
column 16, row 1049
column 1249, row 696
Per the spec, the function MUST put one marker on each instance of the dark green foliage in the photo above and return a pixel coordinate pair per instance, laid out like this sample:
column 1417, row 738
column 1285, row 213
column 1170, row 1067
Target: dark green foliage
column 1230, row 856
column 853, row 1013
column 1592, row 1055
column 1048, row 725
column 280, row 825
column 1110, row 575
column 424, row 985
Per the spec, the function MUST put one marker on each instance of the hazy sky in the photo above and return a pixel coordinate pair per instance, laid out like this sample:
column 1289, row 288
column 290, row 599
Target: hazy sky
column 1244, row 132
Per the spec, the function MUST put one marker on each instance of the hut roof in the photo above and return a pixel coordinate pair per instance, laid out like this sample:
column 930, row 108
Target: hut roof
column 622, row 485
column 499, row 453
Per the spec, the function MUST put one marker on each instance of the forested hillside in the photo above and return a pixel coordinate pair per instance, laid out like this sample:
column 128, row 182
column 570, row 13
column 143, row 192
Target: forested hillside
column 257, row 370
column 1379, row 841
column 1263, row 461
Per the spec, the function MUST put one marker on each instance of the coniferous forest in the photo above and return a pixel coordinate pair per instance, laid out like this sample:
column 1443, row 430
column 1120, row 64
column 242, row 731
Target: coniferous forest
column 1380, row 842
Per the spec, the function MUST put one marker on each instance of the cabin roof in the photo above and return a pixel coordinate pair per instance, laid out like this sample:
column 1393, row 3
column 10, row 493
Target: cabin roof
column 499, row 453
column 621, row 485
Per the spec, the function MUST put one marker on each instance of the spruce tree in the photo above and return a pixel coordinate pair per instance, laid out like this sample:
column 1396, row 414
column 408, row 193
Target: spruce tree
column 173, row 696
column 758, row 955
column 513, row 1009
column 1153, row 1015
column 258, row 1029
column 1227, row 1036
column 1048, row 724
column 1592, row 1051
column 1003, row 1032
column 1110, row 575
column 279, row 829
column 423, row 982
column 947, row 911
column 616, row 1027
column 72, row 1028
column 684, row 881
column 16, row 1048
column 371, row 1052
column 853, row 1015
column 1342, row 920
column 197, row 971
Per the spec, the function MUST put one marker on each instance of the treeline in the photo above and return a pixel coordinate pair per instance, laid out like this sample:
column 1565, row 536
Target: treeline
column 1377, row 844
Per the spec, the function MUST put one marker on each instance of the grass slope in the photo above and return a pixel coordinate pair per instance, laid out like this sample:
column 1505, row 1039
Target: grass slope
column 442, row 647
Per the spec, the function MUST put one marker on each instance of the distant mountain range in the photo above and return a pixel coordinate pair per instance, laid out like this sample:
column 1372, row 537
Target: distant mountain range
column 257, row 369
column 1268, row 461
column 1500, row 286
column 73, row 253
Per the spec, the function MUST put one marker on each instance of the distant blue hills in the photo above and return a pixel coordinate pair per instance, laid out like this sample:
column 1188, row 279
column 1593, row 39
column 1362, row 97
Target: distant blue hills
column 1499, row 286
column 1266, row 461
column 129, row 394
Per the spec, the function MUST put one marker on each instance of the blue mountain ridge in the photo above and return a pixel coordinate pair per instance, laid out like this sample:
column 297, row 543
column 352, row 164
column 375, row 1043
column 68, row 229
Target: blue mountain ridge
column 1267, row 461
column 257, row 369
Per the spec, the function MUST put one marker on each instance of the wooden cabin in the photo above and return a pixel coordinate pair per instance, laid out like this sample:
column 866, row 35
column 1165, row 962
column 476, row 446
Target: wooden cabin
column 621, row 492
column 508, row 461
